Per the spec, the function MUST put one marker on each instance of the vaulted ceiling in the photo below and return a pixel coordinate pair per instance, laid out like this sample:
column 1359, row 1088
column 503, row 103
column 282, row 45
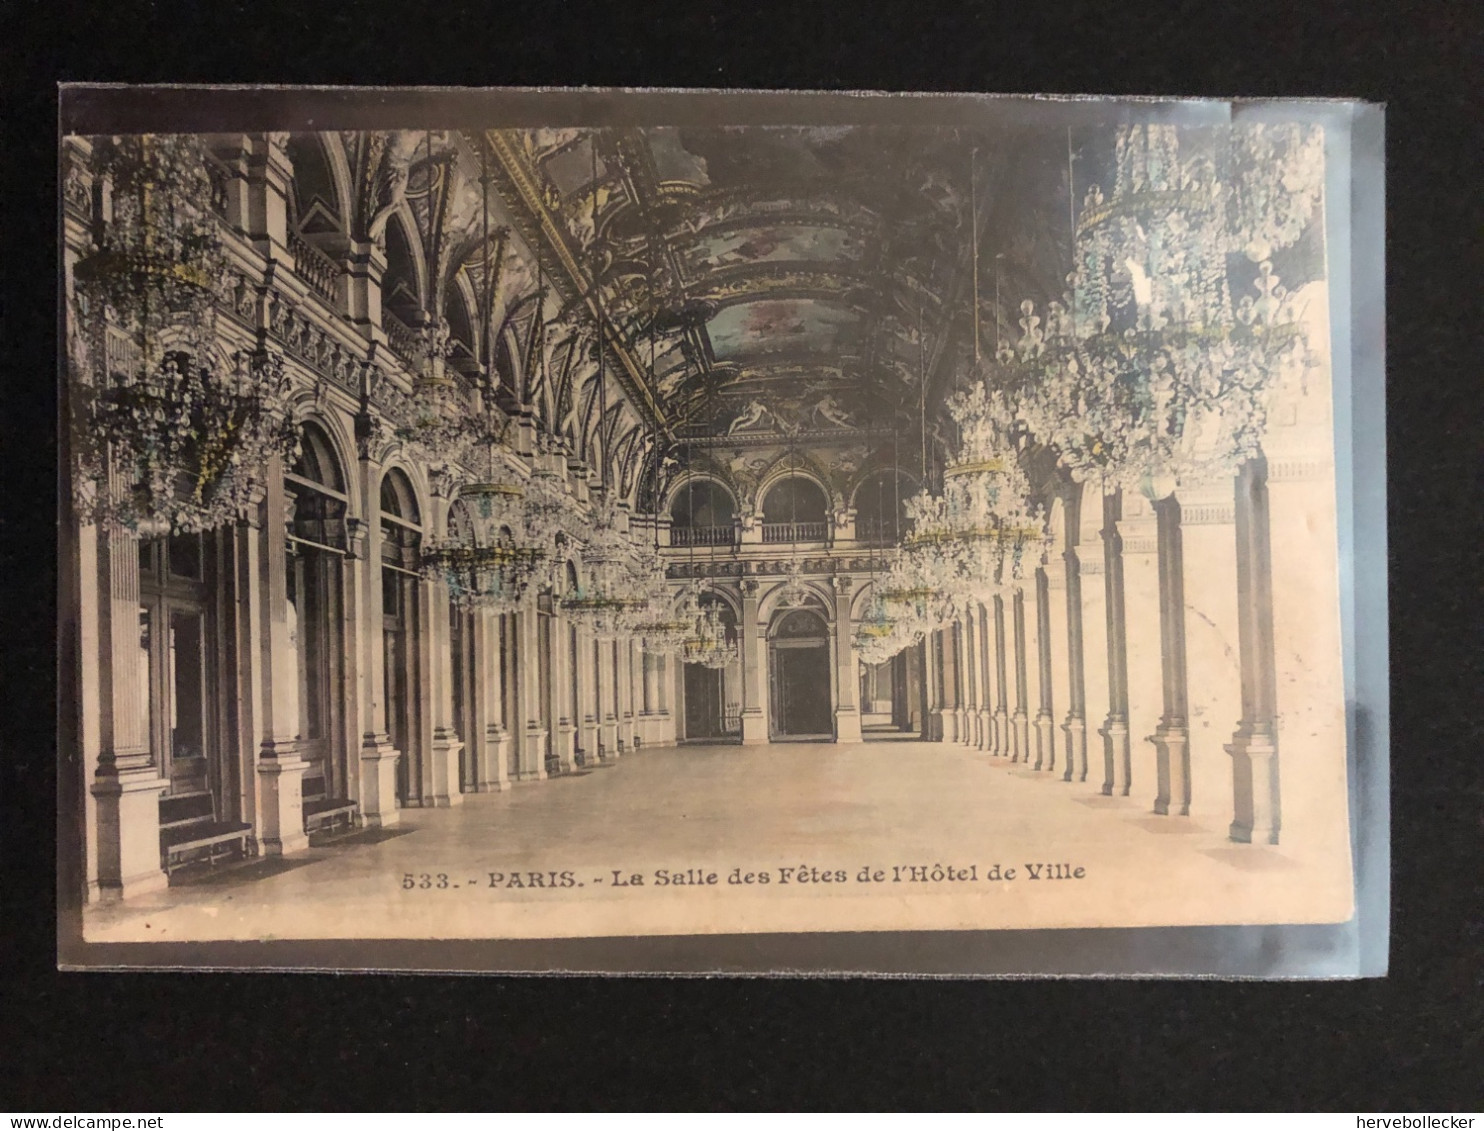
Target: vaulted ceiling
column 784, row 275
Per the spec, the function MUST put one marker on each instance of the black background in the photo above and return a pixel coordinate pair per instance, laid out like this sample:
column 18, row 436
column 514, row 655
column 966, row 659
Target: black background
column 225, row 1041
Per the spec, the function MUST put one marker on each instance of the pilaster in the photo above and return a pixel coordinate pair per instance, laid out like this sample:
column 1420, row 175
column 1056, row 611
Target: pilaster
column 847, row 677
column 126, row 783
column 1117, row 749
column 754, row 709
column 1005, row 735
column 377, row 757
column 531, row 736
column 280, row 769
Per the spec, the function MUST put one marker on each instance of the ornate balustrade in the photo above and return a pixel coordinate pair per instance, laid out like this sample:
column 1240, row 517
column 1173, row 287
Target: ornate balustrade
column 405, row 341
column 703, row 535
column 315, row 267
column 795, row 531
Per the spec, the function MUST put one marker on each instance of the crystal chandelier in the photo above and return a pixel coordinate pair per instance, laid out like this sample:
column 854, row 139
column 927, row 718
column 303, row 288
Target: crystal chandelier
column 490, row 577
column 171, row 431
column 972, row 539
column 606, row 598
column 710, row 643
column 1146, row 369
column 882, row 631
column 666, row 627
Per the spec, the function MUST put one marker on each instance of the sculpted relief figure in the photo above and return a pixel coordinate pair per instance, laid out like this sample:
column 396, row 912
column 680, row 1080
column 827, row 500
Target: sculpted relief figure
column 833, row 413
column 751, row 418
column 391, row 181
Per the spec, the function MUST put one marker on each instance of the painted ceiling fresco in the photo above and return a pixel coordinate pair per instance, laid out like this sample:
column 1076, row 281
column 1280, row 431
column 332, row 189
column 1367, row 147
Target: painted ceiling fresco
column 783, row 261
column 774, row 244
column 790, row 326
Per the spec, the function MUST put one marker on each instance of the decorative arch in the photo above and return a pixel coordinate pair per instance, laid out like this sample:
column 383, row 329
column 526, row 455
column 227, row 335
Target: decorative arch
column 675, row 495
column 799, row 624
column 796, row 463
column 807, row 493
column 404, row 253
column 399, row 496
column 725, row 596
column 320, row 168
column 879, row 499
column 341, row 444
column 768, row 603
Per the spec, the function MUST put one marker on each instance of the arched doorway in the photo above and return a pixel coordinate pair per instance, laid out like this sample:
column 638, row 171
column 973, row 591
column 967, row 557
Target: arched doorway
column 799, row 673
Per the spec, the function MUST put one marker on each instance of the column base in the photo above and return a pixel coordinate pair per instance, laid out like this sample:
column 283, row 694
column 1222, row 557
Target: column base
column 128, row 831
column 532, row 757
column 754, row 728
column 1045, row 741
column 281, row 804
column 566, row 751
column 1076, row 761
column 608, row 750
column 1022, row 728
column 1172, row 762
column 1002, row 745
column 379, row 783
column 1117, row 757
column 494, row 776
column 848, row 725
column 985, row 730
column 444, row 764
column 1255, row 795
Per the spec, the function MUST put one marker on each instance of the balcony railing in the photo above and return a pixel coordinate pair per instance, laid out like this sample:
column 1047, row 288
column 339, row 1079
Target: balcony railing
column 795, row 531
column 402, row 338
column 315, row 267
column 703, row 535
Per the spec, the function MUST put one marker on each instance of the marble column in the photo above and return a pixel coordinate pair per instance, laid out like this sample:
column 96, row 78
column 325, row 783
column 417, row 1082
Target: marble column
column 964, row 682
column 1045, row 708
column 624, row 687
column 847, row 670
column 529, row 728
column 1212, row 640
column 983, row 664
column 754, row 706
column 1117, row 751
column 972, row 731
column 280, row 769
column 1254, row 747
column 491, row 774
column 564, row 741
column 668, row 666
column 378, row 757
column 440, row 779
column 651, row 670
column 1005, row 737
column 1020, row 720
column 126, row 784
column 1075, row 724
column 587, row 698
column 932, row 678
column 1172, row 737
column 1138, row 529
column 608, row 700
